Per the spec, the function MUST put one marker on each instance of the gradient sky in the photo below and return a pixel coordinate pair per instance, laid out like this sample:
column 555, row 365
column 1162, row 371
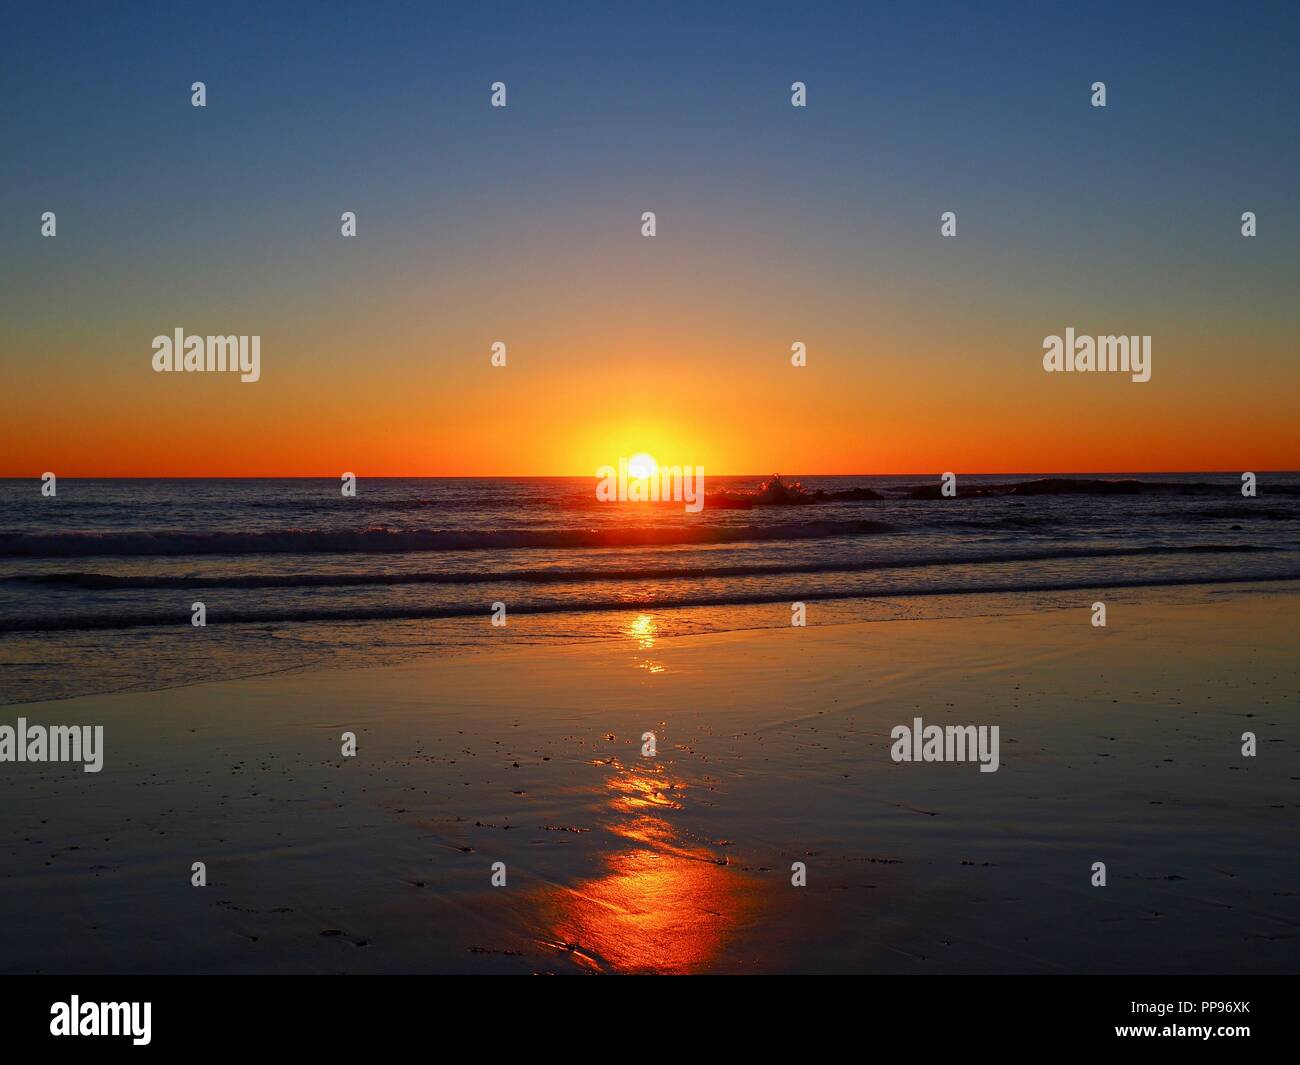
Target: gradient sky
column 776, row 224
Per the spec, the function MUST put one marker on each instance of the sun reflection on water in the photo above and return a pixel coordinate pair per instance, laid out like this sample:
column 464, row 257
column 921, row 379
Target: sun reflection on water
column 643, row 630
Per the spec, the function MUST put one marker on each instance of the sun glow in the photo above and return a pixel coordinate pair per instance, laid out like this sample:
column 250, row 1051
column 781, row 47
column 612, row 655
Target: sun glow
column 642, row 465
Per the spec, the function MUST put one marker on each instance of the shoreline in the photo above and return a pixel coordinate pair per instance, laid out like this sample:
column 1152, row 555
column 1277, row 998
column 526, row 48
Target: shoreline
column 470, row 634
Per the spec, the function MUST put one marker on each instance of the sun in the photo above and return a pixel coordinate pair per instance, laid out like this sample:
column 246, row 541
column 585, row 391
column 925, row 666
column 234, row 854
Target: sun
column 642, row 465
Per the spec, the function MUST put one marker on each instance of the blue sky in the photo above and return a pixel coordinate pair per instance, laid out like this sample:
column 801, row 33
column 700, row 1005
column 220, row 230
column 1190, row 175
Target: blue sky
column 777, row 219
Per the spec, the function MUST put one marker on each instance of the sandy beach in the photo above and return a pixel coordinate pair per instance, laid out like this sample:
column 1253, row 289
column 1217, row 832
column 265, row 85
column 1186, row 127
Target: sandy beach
column 1120, row 745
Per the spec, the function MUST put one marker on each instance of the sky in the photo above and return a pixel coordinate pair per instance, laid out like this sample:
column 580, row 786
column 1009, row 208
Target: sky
column 522, row 224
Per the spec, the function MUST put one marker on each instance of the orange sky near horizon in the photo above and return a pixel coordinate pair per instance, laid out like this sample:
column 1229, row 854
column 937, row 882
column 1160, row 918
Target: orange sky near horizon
column 567, row 414
column 678, row 350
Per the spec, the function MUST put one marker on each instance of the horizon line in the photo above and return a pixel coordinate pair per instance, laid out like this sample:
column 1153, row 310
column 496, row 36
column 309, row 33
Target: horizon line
column 571, row 476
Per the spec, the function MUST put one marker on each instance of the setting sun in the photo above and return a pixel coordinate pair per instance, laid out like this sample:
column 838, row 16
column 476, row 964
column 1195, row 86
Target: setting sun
column 642, row 465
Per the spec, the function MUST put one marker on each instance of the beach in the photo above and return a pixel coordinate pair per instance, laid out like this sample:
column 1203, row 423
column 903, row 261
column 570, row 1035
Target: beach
column 1119, row 744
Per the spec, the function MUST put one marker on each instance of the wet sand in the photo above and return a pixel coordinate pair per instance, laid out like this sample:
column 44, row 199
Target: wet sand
column 1120, row 745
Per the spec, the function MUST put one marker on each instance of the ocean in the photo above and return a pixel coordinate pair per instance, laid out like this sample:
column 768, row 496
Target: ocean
column 98, row 583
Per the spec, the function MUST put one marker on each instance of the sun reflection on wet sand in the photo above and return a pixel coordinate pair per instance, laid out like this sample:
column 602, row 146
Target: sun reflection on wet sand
column 643, row 630
column 663, row 904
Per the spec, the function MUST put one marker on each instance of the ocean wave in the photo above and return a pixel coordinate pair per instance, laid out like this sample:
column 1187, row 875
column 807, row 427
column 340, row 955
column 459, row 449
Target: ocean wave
column 1093, row 486
column 483, row 501
column 1024, row 522
column 390, row 541
column 112, row 581
column 216, row 616
column 1254, row 512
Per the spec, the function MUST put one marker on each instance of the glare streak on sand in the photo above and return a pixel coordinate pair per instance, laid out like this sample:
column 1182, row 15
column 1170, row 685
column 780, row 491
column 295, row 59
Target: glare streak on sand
column 662, row 905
